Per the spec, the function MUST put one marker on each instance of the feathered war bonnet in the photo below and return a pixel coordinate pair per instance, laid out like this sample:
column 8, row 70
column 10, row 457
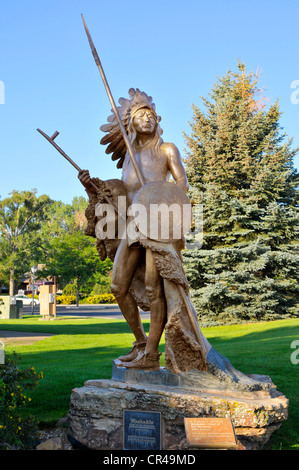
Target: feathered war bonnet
column 127, row 110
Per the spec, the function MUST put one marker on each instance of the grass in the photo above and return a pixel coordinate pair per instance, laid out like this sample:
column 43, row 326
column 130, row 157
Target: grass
column 84, row 349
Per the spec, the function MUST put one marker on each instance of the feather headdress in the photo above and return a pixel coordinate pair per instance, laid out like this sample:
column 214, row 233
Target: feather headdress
column 127, row 109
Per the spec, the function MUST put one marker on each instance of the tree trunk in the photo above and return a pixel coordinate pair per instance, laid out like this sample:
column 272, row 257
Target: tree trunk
column 11, row 281
column 78, row 292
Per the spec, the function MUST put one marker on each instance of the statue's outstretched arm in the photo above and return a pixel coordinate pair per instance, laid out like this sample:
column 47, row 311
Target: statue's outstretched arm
column 175, row 165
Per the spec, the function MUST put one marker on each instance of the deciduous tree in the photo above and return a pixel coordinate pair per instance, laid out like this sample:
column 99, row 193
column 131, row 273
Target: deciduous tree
column 74, row 258
column 21, row 216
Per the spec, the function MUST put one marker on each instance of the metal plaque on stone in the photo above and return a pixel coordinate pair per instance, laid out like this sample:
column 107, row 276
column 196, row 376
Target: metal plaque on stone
column 142, row 430
column 210, row 433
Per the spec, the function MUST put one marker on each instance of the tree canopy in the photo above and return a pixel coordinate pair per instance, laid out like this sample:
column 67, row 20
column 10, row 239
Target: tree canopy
column 21, row 218
column 38, row 230
column 74, row 258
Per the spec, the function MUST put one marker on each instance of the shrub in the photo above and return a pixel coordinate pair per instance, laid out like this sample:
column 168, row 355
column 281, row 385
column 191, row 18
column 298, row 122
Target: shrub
column 14, row 430
column 91, row 299
column 66, row 299
column 70, row 289
column 99, row 299
column 103, row 287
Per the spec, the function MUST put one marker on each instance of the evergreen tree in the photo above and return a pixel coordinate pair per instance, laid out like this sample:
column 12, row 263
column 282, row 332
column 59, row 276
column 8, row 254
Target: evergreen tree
column 240, row 167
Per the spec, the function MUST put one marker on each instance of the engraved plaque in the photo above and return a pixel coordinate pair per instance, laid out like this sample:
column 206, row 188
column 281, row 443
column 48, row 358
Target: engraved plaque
column 142, row 430
column 210, row 433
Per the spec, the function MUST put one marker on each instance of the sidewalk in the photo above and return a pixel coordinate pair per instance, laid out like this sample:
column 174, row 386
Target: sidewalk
column 21, row 337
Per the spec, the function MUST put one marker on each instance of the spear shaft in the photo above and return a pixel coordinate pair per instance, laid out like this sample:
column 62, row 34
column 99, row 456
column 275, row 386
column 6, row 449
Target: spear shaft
column 112, row 102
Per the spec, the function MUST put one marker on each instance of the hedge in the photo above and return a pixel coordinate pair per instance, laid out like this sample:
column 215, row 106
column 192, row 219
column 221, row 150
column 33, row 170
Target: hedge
column 91, row 299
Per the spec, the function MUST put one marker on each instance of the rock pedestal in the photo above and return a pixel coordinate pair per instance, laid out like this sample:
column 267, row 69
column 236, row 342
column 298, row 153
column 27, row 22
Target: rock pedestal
column 253, row 403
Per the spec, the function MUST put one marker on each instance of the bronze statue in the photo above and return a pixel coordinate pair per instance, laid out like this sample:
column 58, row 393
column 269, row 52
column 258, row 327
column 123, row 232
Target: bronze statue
column 147, row 273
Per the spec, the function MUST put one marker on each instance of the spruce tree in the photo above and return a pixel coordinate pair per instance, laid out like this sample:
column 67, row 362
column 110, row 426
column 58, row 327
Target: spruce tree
column 240, row 167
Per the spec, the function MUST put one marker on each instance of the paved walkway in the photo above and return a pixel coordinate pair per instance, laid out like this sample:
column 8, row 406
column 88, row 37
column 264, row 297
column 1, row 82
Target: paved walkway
column 21, row 337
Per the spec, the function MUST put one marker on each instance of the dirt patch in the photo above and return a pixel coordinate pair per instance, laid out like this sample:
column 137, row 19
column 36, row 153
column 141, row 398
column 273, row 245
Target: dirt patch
column 21, row 337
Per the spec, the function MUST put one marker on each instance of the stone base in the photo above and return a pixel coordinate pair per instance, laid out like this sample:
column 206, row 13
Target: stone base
column 95, row 416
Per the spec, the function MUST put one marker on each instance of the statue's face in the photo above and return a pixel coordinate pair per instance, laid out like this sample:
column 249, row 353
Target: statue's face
column 144, row 121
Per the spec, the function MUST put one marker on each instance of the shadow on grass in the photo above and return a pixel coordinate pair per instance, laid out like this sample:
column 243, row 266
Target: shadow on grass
column 272, row 343
column 270, row 333
column 57, row 327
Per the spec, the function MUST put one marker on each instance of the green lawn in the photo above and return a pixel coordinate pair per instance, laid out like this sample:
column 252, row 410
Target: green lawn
column 84, row 349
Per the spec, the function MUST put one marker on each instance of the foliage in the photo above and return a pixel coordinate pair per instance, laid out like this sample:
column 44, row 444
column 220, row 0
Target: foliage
column 99, row 299
column 103, row 286
column 70, row 255
column 63, row 219
column 21, row 216
column 74, row 258
column 237, row 145
column 69, row 289
column 100, row 282
column 15, row 430
column 241, row 169
column 66, row 299
column 38, row 230
column 92, row 299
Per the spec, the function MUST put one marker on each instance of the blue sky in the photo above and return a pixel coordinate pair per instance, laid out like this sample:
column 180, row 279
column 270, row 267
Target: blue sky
column 174, row 50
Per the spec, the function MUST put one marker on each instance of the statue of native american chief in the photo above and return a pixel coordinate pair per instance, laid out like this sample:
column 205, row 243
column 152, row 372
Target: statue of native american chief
column 147, row 270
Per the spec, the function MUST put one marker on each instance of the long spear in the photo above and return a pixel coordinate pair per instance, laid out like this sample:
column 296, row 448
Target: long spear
column 112, row 102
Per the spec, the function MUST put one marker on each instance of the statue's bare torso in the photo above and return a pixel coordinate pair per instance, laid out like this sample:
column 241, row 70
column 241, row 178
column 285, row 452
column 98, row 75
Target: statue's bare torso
column 154, row 166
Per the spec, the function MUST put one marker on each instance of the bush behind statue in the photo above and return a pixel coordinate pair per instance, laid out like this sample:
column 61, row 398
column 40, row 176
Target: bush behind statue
column 91, row 299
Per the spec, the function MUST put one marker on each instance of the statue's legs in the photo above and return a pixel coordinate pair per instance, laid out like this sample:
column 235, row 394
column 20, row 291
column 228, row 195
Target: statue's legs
column 124, row 266
column 156, row 297
column 149, row 358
